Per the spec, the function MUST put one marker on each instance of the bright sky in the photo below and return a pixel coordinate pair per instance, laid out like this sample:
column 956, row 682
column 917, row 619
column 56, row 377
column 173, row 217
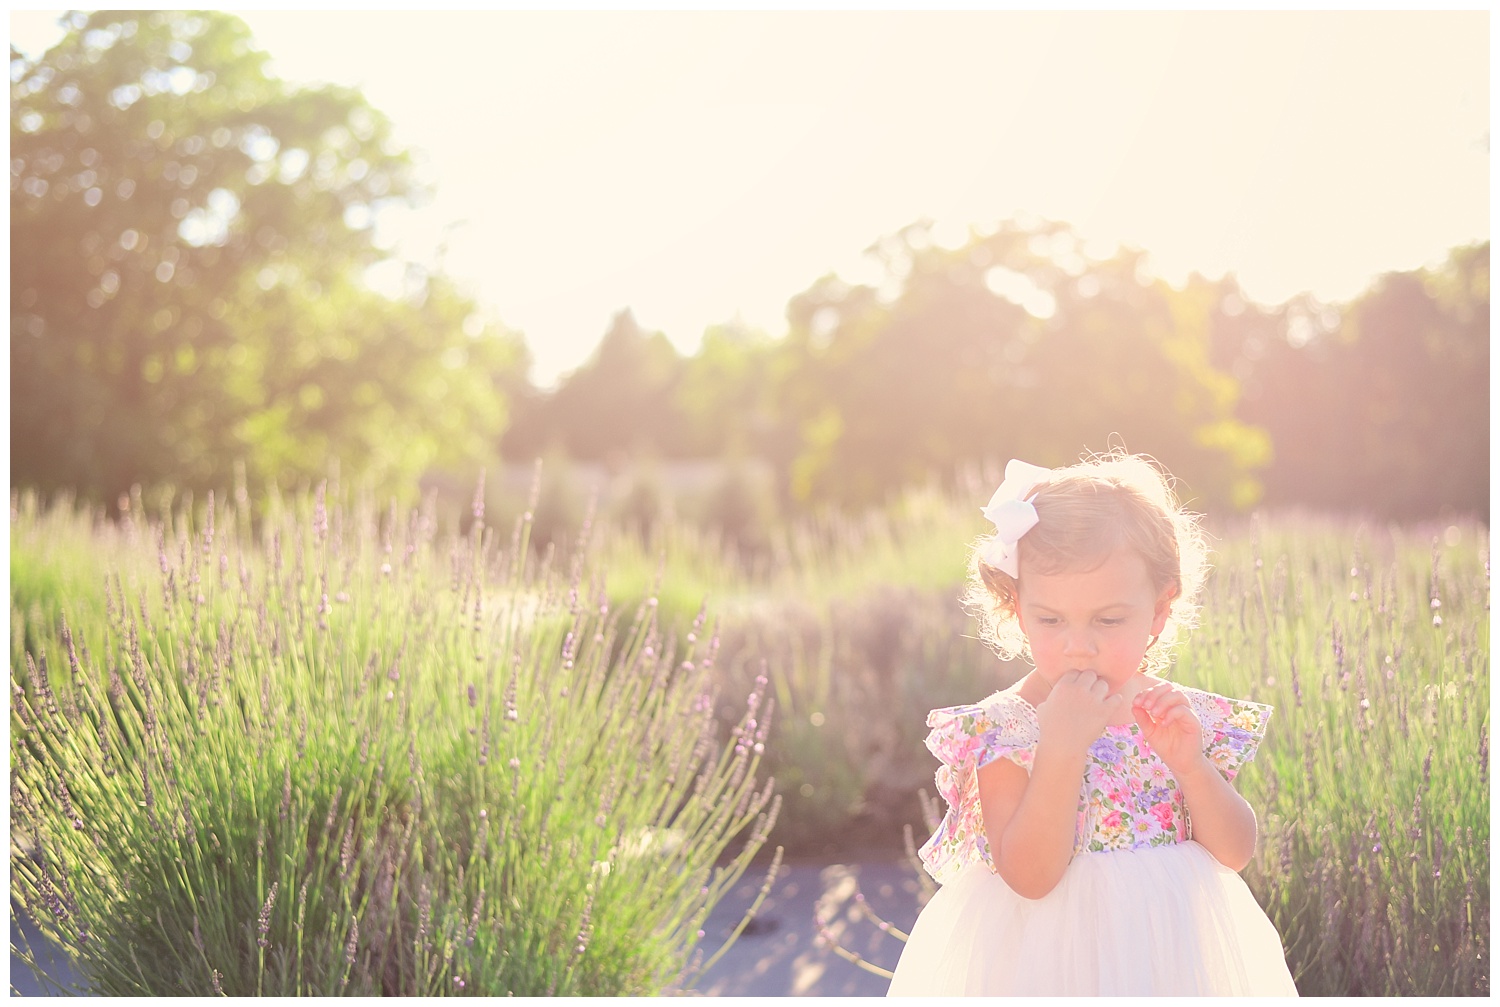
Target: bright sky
column 702, row 166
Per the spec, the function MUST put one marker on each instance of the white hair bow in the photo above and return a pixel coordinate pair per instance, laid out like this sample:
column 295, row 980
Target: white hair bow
column 1012, row 514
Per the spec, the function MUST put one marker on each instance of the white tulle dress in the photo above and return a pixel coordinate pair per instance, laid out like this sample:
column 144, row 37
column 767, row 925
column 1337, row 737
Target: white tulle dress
column 1140, row 910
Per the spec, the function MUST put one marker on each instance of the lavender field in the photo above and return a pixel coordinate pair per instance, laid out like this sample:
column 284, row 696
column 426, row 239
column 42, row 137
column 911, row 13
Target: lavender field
column 349, row 748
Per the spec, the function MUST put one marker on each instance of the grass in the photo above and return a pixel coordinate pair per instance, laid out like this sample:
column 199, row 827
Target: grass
column 341, row 755
column 1371, row 788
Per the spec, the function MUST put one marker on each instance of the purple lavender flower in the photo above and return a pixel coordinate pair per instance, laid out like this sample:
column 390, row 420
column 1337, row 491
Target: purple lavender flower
column 473, row 930
column 265, row 916
column 351, row 948
column 479, row 499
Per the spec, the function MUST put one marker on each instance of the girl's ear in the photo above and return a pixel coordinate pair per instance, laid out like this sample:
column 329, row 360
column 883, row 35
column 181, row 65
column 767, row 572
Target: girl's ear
column 1163, row 609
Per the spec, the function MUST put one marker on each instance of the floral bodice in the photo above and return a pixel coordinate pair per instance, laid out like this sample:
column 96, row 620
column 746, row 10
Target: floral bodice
column 1128, row 799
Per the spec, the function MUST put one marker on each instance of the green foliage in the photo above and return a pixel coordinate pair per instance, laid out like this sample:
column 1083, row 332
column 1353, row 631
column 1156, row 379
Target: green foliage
column 350, row 758
column 1372, row 788
column 1017, row 344
column 622, row 400
column 855, row 622
column 644, row 503
column 741, row 507
column 558, row 504
column 1014, row 345
column 850, row 677
column 1382, row 407
column 49, row 576
column 727, row 392
column 195, row 233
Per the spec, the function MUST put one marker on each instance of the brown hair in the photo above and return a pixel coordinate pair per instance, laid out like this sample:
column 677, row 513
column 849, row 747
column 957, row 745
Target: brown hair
column 1084, row 513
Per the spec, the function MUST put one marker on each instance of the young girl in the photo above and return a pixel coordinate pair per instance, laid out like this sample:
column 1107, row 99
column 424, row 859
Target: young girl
column 1092, row 837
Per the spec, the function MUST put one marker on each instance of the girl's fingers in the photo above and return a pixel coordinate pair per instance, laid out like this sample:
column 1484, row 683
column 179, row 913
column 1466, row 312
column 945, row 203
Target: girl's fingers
column 1167, row 708
column 1158, row 698
column 1176, row 701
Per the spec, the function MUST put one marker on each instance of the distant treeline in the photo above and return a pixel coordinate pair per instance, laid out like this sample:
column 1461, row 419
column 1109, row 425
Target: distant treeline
column 190, row 240
column 1018, row 345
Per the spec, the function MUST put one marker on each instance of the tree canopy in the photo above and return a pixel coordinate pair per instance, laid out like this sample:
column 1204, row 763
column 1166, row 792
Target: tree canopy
column 1379, row 406
column 1013, row 345
column 189, row 241
column 1017, row 344
column 621, row 401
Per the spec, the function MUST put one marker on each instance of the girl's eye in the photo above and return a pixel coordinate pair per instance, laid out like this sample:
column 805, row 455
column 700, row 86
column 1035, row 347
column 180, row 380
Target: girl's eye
column 1048, row 620
column 1112, row 622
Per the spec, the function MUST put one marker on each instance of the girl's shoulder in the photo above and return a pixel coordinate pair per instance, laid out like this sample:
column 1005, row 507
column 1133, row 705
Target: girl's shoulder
column 1212, row 707
column 997, row 707
column 1002, row 723
column 1232, row 728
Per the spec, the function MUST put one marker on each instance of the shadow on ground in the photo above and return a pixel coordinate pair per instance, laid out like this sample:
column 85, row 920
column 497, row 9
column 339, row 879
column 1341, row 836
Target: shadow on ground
column 779, row 953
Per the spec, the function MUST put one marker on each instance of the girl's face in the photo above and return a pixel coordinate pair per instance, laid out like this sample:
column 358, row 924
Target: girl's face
column 1098, row 620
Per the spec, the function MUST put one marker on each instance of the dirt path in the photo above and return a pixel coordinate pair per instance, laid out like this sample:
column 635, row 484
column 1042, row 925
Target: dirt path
column 777, row 955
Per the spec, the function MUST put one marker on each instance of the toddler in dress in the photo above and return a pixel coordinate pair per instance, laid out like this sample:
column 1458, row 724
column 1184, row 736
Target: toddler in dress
column 1093, row 838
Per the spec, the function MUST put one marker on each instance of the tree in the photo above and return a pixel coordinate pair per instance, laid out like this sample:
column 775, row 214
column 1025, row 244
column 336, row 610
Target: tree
column 726, row 392
column 189, row 238
column 620, row 402
column 1380, row 406
column 1014, row 345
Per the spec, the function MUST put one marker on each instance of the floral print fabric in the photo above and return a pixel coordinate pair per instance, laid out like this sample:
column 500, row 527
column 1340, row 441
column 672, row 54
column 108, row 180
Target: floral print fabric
column 1128, row 799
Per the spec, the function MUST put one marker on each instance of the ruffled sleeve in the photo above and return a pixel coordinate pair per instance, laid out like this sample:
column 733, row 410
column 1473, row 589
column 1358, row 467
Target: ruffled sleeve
column 965, row 738
column 1232, row 729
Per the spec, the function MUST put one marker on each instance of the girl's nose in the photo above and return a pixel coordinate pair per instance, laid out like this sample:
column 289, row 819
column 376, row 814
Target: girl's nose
column 1078, row 644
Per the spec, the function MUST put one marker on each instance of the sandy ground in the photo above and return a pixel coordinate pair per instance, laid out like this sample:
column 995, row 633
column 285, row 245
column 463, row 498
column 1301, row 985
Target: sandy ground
column 778, row 953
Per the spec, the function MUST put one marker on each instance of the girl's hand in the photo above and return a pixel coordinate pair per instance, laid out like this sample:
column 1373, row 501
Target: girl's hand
column 1169, row 726
column 1076, row 709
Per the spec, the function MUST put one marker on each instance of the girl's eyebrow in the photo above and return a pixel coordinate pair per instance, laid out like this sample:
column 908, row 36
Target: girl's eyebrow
column 1036, row 607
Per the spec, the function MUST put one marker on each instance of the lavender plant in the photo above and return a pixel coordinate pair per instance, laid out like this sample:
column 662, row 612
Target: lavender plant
column 1372, row 784
column 1373, row 788
column 856, row 618
column 338, row 754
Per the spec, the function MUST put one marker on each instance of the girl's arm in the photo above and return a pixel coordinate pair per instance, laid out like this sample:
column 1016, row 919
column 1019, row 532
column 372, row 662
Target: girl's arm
column 1223, row 822
column 1030, row 820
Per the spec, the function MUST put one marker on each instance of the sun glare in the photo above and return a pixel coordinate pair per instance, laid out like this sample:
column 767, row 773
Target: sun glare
column 699, row 166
